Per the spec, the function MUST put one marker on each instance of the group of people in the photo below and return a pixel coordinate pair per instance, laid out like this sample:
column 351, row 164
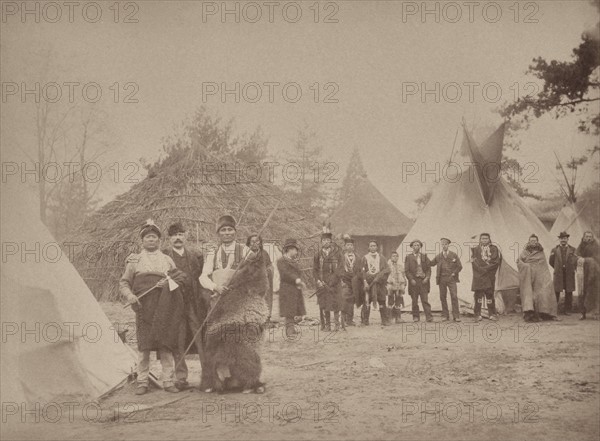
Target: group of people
column 173, row 291
column 345, row 280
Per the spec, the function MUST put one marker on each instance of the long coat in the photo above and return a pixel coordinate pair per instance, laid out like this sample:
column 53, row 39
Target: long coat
column 351, row 279
column 484, row 273
column 455, row 265
column 590, row 252
column 410, row 267
column 191, row 264
column 326, row 269
column 291, row 301
column 377, row 282
column 570, row 265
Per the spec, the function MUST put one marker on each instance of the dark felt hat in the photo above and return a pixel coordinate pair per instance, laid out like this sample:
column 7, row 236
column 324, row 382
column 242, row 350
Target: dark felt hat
column 290, row 243
column 175, row 228
column 563, row 234
column 225, row 221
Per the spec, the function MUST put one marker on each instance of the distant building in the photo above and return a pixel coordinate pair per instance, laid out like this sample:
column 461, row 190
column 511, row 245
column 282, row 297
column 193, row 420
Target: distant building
column 367, row 215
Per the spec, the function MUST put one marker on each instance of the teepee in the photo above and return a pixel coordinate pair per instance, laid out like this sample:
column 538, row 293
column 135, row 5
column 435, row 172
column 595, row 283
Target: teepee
column 57, row 341
column 570, row 218
column 473, row 198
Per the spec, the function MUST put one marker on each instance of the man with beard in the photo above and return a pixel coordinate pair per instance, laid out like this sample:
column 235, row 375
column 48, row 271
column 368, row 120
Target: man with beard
column 589, row 251
column 195, row 306
column 255, row 244
column 564, row 261
column 159, row 312
column 418, row 273
column 485, row 259
column 325, row 271
column 375, row 272
column 535, row 283
column 350, row 275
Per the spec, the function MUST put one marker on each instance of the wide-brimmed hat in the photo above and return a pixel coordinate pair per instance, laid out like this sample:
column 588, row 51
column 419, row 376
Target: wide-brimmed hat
column 290, row 243
column 416, row 241
column 563, row 234
column 225, row 221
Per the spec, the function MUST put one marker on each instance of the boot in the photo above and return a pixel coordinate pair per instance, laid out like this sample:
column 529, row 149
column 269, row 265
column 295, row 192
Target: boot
column 383, row 314
column 397, row 314
column 336, row 320
column 364, row 314
column 327, row 321
column 322, row 318
column 343, row 320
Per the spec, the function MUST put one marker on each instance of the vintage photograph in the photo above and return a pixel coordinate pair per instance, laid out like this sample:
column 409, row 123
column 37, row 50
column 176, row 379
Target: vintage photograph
column 300, row 220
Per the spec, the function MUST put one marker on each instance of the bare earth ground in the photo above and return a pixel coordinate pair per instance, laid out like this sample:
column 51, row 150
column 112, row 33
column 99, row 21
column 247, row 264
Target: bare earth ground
column 434, row 381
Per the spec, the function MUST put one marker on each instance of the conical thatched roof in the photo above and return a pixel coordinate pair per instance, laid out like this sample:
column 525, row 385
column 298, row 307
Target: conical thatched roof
column 188, row 194
column 367, row 212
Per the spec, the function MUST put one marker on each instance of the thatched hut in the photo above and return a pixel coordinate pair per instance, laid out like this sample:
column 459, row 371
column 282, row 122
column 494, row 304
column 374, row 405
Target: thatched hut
column 185, row 192
column 367, row 215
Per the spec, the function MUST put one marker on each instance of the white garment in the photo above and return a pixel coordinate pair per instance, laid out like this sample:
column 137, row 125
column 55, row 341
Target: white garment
column 373, row 262
column 208, row 268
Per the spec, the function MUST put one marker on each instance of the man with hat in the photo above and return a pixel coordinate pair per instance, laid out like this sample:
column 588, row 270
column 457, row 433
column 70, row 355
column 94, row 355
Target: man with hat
column 291, row 300
column 446, row 277
column 159, row 312
column 485, row 260
column 221, row 263
column 418, row 272
column 326, row 273
column 350, row 275
column 195, row 306
column 563, row 259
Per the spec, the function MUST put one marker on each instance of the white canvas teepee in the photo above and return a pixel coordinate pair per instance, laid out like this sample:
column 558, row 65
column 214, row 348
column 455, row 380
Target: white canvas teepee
column 57, row 341
column 570, row 220
column 470, row 199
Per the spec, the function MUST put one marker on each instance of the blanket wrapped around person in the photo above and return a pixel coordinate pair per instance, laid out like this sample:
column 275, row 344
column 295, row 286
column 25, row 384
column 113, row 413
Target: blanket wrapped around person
column 536, row 285
column 232, row 332
column 161, row 311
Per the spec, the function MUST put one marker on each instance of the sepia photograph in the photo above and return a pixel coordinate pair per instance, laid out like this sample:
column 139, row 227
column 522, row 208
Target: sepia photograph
column 300, row 220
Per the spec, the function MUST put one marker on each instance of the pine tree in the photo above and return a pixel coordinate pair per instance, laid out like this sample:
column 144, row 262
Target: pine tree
column 355, row 173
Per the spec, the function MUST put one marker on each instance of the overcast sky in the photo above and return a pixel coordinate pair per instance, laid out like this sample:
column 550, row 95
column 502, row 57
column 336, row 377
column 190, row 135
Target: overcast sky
column 374, row 52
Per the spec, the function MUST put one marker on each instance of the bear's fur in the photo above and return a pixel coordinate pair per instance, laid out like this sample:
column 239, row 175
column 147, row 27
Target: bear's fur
column 233, row 331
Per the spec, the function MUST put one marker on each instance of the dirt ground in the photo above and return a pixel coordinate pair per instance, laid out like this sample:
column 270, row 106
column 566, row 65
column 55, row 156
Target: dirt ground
column 434, row 381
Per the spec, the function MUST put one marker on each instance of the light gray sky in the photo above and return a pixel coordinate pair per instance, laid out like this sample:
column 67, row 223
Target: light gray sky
column 371, row 54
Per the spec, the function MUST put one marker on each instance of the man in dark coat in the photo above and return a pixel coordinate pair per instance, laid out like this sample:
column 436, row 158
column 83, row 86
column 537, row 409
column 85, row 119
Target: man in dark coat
column 325, row 271
column 195, row 306
column 485, row 259
column 418, row 272
column 158, row 310
column 564, row 261
column 448, row 267
column 589, row 251
column 375, row 273
column 291, row 300
column 350, row 275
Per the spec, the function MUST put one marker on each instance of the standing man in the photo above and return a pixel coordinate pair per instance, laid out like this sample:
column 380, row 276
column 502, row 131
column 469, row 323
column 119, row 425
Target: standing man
column 446, row 277
column 396, row 285
column 589, row 251
column 159, row 312
column 255, row 244
column 485, row 259
column 350, row 275
column 326, row 273
column 195, row 306
column 375, row 272
column 564, row 261
column 221, row 263
column 418, row 273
